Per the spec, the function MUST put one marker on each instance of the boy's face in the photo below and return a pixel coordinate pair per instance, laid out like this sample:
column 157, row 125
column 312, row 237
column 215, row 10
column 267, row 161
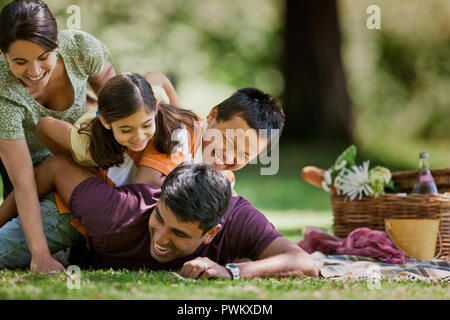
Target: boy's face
column 231, row 144
column 171, row 238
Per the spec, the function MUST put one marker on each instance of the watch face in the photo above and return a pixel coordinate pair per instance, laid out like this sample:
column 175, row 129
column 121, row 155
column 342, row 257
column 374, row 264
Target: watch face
column 234, row 270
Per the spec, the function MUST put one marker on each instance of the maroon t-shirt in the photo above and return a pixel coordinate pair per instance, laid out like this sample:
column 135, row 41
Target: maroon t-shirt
column 117, row 223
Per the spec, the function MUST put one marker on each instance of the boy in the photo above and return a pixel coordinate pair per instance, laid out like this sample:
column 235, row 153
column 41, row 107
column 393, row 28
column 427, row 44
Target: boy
column 227, row 140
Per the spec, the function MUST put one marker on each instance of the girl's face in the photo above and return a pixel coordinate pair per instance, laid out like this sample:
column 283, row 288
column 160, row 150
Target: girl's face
column 136, row 130
column 32, row 64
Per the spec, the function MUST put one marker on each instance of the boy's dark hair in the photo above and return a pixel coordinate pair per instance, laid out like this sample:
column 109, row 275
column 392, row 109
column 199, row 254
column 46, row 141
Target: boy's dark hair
column 196, row 192
column 120, row 97
column 29, row 20
column 258, row 109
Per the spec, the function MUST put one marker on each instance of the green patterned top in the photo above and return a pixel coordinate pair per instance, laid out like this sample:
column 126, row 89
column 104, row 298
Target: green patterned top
column 84, row 56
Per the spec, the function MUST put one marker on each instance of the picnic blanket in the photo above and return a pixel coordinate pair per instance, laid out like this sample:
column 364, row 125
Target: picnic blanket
column 357, row 268
column 360, row 242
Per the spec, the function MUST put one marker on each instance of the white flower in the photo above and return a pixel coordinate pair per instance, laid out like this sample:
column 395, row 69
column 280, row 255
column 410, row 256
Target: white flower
column 354, row 182
column 327, row 177
column 327, row 181
column 340, row 165
column 325, row 186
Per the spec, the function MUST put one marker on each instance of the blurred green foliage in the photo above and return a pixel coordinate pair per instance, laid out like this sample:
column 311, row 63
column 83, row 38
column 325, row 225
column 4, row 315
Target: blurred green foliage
column 398, row 76
column 399, row 79
column 208, row 48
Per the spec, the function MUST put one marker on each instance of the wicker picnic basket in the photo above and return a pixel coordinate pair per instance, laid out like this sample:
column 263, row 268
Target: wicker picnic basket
column 369, row 212
column 406, row 179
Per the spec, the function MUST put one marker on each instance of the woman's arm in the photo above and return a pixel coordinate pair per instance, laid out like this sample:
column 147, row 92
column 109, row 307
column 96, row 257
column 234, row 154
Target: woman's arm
column 157, row 78
column 16, row 158
column 56, row 135
column 98, row 81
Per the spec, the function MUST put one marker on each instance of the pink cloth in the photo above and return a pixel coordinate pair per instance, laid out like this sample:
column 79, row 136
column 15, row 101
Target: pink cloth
column 361, row 242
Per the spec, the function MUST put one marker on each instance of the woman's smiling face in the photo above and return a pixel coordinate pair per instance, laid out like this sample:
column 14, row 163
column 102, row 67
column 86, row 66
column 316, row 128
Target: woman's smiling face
column 31, row 63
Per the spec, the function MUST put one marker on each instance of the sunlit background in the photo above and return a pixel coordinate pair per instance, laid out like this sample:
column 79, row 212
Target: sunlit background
column 208, row 48
column 397, row 78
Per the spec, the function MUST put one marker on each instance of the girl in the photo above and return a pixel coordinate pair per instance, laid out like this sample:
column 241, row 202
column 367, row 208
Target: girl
column 114, row 136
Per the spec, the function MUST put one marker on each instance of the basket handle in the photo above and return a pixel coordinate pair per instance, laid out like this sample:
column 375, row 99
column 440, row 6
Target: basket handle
column 398, row 247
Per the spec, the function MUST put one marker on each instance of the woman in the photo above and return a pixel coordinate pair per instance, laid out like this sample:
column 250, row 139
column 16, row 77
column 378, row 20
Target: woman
column 43, row 72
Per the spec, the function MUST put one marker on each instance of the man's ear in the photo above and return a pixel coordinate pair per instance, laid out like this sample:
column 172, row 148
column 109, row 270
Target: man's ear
column 209, row 236
column 212, row 115
column 103, row 121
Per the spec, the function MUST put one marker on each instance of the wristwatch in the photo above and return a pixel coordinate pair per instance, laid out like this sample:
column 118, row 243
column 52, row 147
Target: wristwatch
column 234, row 269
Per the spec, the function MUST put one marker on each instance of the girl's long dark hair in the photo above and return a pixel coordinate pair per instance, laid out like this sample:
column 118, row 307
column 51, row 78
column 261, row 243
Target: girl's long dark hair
column 120, row 97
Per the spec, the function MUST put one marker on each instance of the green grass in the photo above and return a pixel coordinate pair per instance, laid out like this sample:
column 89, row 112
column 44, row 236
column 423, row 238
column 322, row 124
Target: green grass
column 288, row 202
column 109, row 284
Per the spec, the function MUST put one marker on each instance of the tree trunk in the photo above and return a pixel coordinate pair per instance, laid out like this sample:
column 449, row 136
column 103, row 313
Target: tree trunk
column 316, row 100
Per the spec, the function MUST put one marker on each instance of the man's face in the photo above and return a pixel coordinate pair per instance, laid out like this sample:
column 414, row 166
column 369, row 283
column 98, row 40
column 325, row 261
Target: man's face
column 231, row 144
column 171, row 239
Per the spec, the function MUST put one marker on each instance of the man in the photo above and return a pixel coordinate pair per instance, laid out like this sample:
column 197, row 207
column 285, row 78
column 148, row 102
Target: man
column 191, row 223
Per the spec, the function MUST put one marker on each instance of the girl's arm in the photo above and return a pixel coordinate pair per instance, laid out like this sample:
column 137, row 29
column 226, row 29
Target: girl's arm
column 55, row 134
column 159, row 79
column 16, row 158
column 150, row 176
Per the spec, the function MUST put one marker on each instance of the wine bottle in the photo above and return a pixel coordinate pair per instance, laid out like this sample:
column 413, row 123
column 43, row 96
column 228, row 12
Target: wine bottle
column 425, row 181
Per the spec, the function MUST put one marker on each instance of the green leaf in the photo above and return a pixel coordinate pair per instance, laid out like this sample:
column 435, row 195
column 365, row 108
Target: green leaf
column 349, row 155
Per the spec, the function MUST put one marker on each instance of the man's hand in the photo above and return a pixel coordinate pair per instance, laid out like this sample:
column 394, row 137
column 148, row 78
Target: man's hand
column 204, row 268
column 45, row 264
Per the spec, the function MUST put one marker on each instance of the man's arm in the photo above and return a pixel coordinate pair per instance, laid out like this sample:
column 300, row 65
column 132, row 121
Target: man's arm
column 251, row 235
column 282, row 258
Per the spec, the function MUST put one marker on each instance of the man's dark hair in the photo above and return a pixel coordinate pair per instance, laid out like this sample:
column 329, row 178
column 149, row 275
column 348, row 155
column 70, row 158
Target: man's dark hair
column 29, row 20
column 196, row 192
column 258, row 109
